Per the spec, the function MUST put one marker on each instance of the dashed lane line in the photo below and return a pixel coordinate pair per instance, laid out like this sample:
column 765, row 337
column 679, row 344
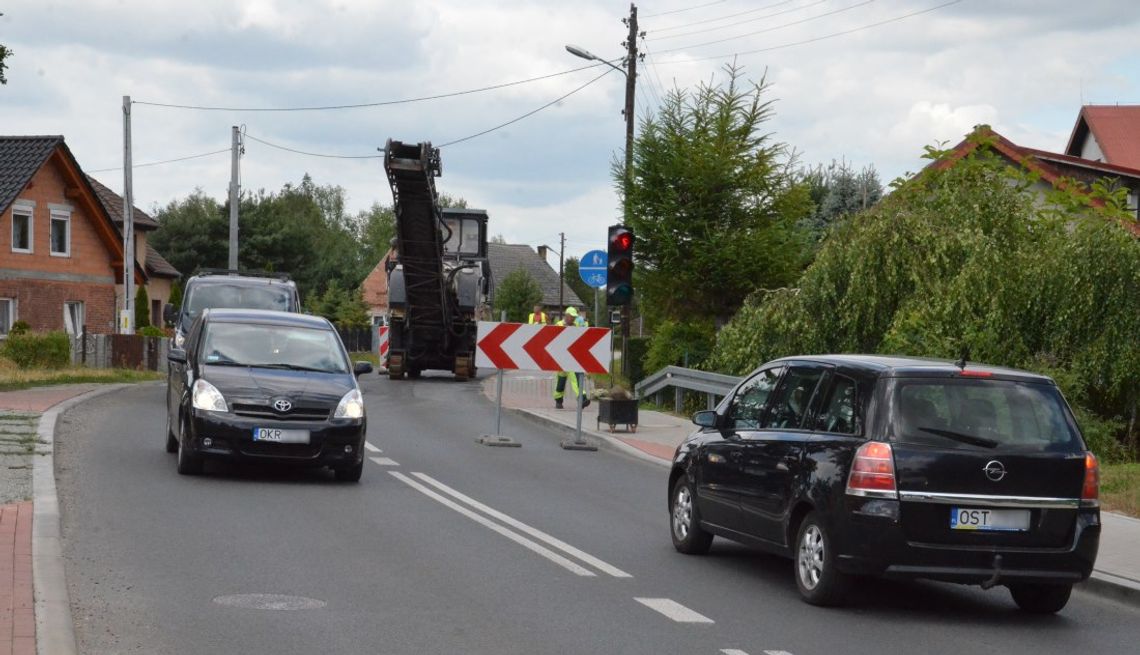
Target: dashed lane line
column 384, row 461
column 674, row 610
column 776, row 652
column 732, row 651
column 567, row 564
column 368, row 446
column 604, row 567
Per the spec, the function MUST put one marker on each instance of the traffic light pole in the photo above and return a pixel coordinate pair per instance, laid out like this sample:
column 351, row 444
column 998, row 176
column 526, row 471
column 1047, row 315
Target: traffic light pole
column 630, row 90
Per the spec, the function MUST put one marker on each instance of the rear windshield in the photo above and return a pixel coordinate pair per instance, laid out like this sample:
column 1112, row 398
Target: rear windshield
column 234, row 296
column 987, row 414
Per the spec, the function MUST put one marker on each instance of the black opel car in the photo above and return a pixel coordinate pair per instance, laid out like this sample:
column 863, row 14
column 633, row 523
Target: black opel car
column 864, row 465
column 266, row 385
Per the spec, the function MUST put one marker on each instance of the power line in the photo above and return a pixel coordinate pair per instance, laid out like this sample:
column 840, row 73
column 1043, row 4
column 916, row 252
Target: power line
column 310, row 154
column 653, row 68
column 529, row 113
column 737, row 23
column 770, row 29
column 677, row 11
column 814, row 40
column 158, row 163
column 362, row 105
column 720, row 18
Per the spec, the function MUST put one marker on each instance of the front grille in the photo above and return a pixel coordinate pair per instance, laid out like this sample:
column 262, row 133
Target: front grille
column 283, row 450
column 267, row 413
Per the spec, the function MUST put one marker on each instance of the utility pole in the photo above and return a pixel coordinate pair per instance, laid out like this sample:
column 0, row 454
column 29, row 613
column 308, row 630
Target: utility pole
column 127, row 319
column 561, row 270
column 235, row 194
column 630, row 90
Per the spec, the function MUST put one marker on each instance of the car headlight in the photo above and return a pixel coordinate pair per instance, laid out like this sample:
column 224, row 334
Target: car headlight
column 206, row 396
column 179, row 339
column 351, row 406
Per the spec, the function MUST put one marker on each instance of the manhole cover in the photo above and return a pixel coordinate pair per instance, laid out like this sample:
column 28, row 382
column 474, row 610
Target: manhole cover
column 270, row 602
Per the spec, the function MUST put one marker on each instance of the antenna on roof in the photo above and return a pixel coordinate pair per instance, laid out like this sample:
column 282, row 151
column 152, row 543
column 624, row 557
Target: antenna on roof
column 961, row 363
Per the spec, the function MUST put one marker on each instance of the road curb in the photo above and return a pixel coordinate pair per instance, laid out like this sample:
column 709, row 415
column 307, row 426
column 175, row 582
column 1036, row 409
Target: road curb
column 55, row 629
column 614, row 442
column 1114, row 587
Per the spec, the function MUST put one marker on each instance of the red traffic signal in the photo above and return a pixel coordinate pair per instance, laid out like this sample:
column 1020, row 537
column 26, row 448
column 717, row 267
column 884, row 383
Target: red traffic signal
column 619, row 267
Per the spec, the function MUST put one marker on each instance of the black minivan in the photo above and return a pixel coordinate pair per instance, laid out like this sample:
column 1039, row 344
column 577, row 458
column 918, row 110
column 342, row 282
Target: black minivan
column 901, row 467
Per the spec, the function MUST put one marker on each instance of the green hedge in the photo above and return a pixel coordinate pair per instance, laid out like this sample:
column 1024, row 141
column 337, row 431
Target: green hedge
column 637, row 347
column 38, row 350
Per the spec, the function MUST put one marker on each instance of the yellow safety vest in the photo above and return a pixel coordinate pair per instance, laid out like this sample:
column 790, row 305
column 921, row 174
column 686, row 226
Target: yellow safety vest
column 541, row 318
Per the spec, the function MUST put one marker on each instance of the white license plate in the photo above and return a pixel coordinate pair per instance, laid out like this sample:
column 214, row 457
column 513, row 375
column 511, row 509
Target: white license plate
column 975, row 518
column 278, row 435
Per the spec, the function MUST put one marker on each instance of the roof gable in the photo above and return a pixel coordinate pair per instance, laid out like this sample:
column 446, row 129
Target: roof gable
column 1116, row 129
column 507, row 258
column 113, row 204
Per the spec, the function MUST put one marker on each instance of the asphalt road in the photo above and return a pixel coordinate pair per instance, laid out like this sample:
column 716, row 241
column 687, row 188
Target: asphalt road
column 447, row 546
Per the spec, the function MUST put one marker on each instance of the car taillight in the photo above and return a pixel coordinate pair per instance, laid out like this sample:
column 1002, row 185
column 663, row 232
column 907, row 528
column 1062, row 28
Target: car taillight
column 873, row 471
column 1090, row 491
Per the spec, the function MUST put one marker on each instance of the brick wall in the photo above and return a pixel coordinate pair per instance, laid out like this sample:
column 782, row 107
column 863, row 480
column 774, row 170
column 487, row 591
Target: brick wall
column 40, row 303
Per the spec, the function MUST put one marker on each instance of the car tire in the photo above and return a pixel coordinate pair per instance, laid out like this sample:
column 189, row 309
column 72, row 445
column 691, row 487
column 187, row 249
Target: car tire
column 1041, row 598
column 685, row 520
column 188, row 463
column 350, row 474
column 818, row 578
column 171, row 440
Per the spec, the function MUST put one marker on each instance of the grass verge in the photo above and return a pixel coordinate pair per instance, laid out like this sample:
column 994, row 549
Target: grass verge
column 16, row 379
column 1120, row 488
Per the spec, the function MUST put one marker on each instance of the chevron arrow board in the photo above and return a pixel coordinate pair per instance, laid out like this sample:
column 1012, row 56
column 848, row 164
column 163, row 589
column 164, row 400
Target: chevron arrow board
column 519, row 346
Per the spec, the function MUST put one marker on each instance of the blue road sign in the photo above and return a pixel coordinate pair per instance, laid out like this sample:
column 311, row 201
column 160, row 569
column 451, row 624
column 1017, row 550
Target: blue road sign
column 592, row 268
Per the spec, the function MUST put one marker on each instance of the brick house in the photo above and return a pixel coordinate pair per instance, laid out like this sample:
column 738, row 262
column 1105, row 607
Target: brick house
column 60, row 253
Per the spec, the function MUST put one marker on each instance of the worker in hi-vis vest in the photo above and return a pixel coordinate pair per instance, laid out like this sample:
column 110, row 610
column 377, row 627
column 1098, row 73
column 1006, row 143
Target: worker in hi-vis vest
column 569, row 318
column 537, row 316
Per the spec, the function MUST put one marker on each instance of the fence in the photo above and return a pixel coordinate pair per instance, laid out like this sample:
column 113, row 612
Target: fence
column 713, row 385
column 357, row 340
column 119, row 351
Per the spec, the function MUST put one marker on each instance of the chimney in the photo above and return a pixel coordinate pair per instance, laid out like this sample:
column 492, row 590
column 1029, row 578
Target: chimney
column 542, row 252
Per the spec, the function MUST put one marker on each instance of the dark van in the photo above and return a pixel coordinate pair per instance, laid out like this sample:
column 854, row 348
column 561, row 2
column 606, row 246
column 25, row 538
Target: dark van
column 218, row 289
column 909, row 468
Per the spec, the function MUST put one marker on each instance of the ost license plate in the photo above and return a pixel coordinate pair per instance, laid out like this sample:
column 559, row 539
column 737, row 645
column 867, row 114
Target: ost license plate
column 277, row 435
column 974, row 518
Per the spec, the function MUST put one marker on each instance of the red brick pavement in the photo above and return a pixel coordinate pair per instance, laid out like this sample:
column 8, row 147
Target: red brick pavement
column 17, row 611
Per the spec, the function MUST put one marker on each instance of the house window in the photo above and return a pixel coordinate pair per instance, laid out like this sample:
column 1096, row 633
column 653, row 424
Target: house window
column 156, row 312
column 22, row 228
column 73, row 317
column 7, row 315
column 60, row 233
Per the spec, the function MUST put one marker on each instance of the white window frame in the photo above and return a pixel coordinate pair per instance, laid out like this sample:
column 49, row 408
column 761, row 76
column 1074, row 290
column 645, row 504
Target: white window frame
column 76, row 329
column 28, row 209
column 12, row 307
column 63, row 215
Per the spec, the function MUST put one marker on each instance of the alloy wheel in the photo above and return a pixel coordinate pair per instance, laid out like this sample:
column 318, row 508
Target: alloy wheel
column 682, row 513
column 809, row 560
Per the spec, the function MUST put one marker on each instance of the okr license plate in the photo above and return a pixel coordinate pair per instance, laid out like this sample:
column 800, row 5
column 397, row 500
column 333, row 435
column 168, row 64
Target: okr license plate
column 1003, row 520
column 277, row 435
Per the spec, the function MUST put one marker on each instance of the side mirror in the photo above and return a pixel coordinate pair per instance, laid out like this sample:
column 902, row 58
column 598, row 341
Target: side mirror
column 176, row 355
column 169, row 314
column 706, row 418
column 360, row 368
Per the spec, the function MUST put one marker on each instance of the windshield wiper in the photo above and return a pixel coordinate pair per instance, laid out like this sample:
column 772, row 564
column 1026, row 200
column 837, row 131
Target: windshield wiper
column 964, row 438
column 292, row 367
column 225, row 362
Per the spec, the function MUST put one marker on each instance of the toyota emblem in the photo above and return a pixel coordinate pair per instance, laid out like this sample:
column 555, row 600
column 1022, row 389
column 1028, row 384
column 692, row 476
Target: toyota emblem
column 994, row 470
column 282, row 405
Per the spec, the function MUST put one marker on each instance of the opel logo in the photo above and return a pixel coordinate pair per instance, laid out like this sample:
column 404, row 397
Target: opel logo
column 994, row 470
column 282, row 405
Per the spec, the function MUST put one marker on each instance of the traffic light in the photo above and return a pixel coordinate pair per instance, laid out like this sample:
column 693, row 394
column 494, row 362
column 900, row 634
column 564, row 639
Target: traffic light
column 619, row 267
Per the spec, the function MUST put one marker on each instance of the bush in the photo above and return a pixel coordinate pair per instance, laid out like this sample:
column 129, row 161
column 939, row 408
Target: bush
column 20, row 327
column 152, row 331
column 679, row 344
column 637, row 348
column 44, row 350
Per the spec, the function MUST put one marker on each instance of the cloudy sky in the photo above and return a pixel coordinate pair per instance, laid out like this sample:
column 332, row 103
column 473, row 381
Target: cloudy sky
column 871, row 81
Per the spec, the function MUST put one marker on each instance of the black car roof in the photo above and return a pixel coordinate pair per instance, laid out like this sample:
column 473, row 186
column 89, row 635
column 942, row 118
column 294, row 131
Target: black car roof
column 266, row 317
column 896, row 365
column 241, row 280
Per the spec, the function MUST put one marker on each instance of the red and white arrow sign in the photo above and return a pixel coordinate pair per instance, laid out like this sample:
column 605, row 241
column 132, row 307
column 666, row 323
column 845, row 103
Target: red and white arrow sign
column 542, row 347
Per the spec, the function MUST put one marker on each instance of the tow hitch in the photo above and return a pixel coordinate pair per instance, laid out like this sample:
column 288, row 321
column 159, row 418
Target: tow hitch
column 996, row 577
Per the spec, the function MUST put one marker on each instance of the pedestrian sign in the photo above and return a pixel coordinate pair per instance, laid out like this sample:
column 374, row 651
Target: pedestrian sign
column 592, row 268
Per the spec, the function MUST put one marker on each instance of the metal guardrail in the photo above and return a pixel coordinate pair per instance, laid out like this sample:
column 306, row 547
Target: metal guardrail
column 713, row 385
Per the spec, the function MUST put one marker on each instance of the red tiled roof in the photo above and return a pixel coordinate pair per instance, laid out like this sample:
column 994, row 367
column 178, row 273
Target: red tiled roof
column 1116, row 129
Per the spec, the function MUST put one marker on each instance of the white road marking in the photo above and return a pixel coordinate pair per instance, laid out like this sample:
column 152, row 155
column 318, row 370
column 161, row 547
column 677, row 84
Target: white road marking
column 384, row 461
column 372, row 448
column 732, row 651
column 573, row 567
column 674, row 610
column 776, row 652
column 608, row 569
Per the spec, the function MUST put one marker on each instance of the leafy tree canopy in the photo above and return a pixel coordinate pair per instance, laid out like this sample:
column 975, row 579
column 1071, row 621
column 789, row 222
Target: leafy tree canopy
column 518, row 293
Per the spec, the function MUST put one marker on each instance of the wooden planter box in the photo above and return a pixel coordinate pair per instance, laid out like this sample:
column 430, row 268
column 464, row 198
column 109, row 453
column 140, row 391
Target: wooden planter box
column 617, row 412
